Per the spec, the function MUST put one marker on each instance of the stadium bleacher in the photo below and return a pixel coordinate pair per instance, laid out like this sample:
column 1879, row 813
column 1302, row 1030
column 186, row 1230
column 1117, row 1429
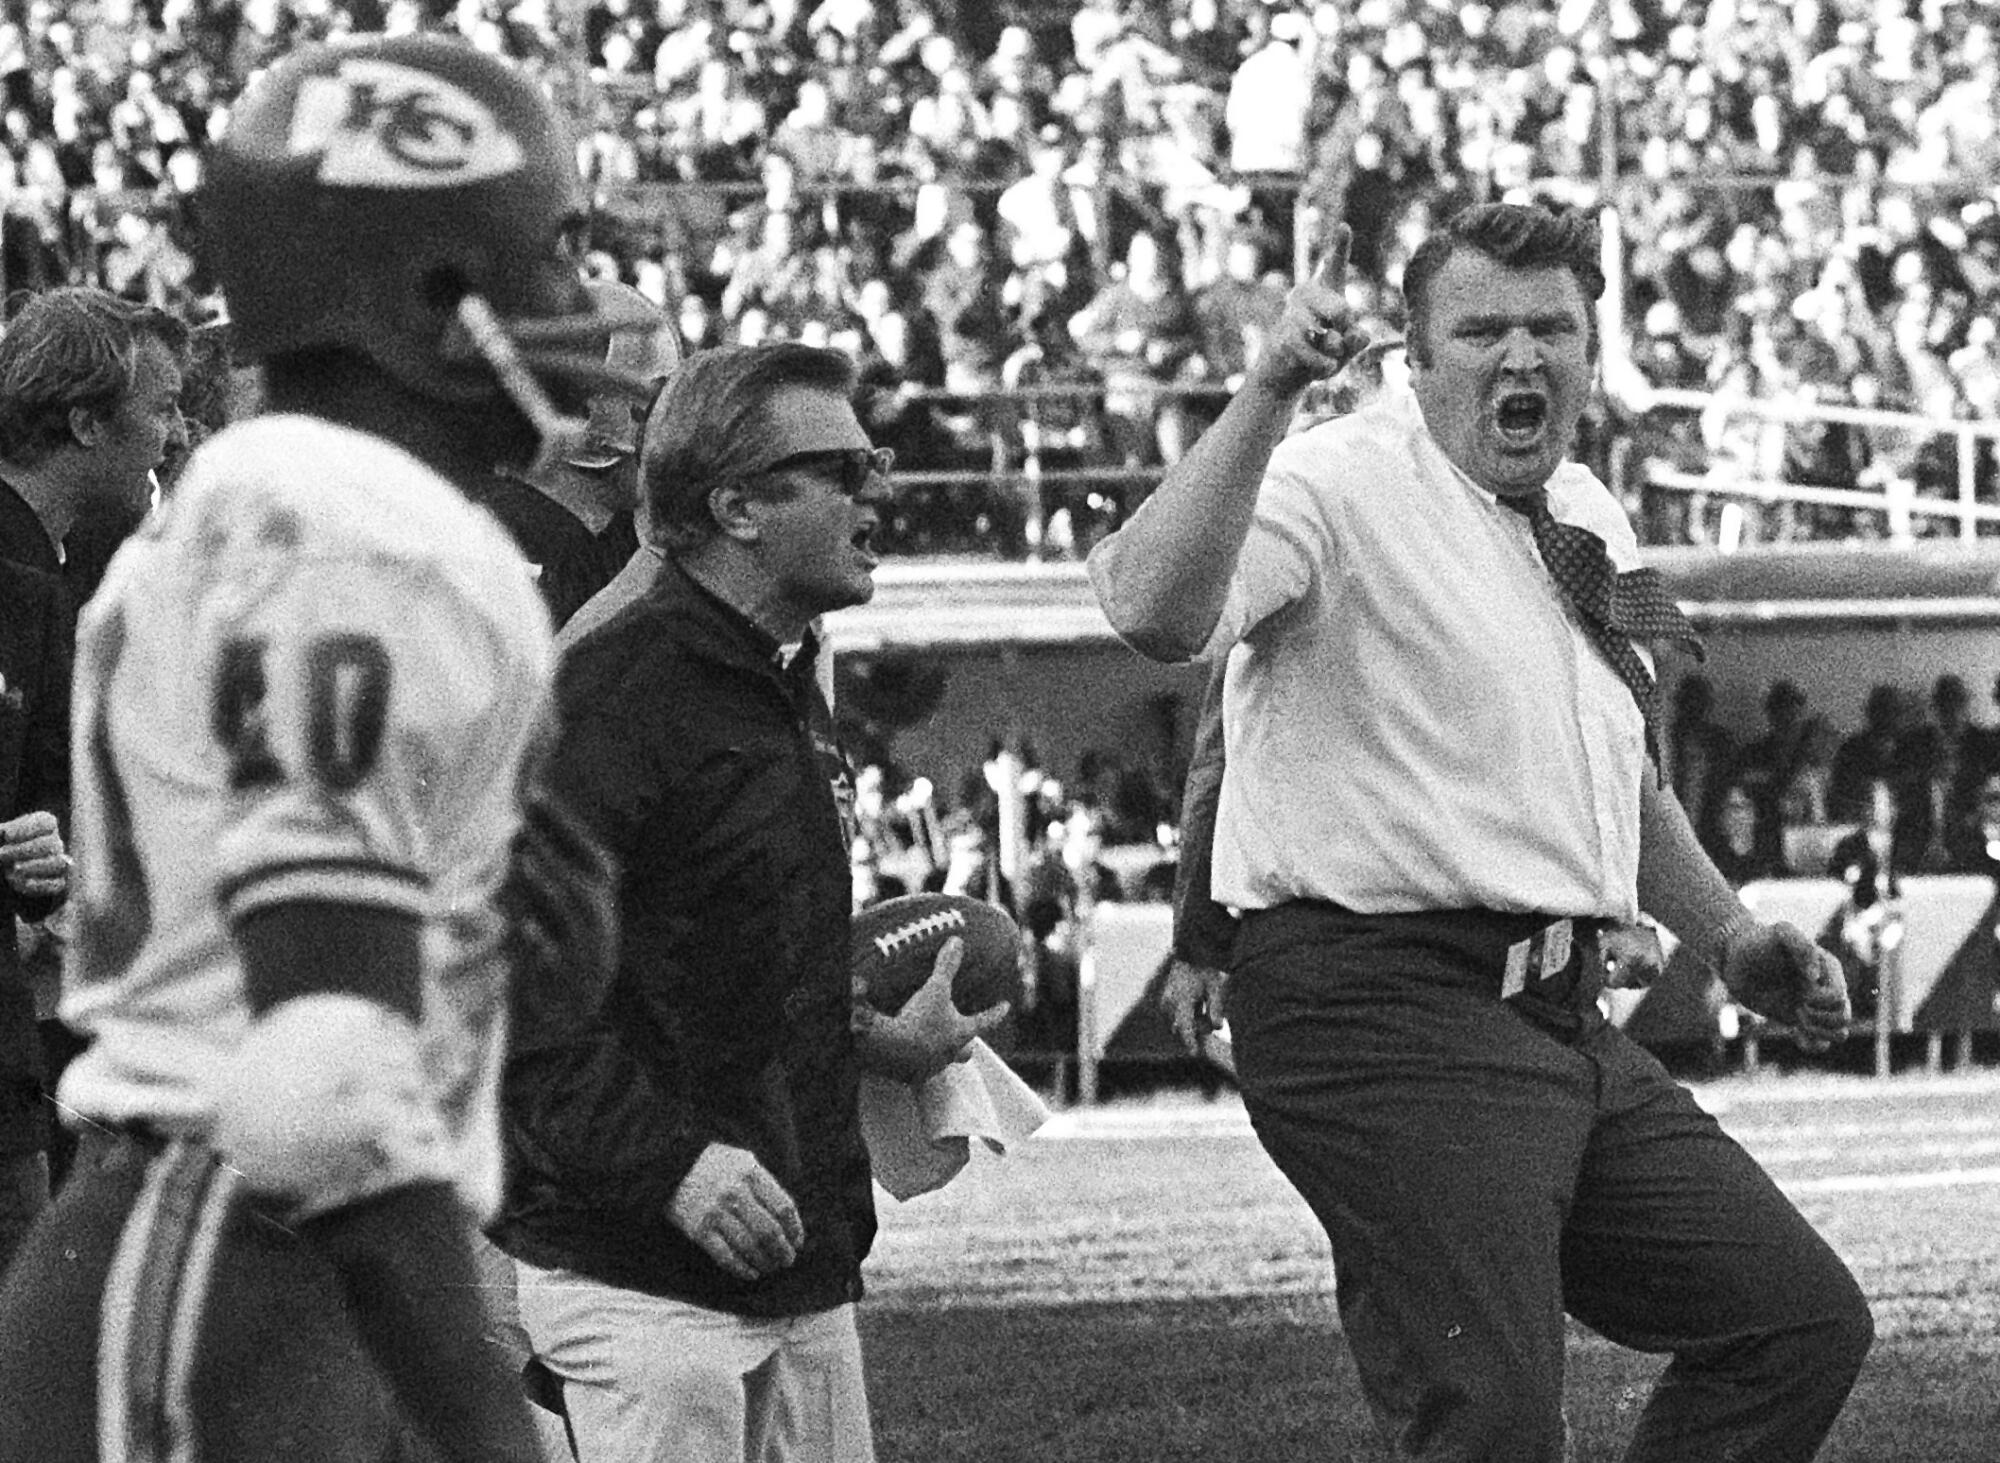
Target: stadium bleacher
column 1801, row 349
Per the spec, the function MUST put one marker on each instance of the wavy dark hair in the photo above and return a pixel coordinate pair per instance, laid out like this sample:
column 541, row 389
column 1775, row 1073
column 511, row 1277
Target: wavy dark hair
column 69, row 348
column 699, row 434
column 1525, row 235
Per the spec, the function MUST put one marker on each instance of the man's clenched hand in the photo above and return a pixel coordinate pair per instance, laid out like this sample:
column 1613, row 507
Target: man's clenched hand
column 740, row 1215
column 32, row 857
column 1191, row 999
column 1776, row 971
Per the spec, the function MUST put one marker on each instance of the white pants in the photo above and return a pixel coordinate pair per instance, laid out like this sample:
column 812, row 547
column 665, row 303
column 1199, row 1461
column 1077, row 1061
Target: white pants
column 651, row 1380
column 505, row 1333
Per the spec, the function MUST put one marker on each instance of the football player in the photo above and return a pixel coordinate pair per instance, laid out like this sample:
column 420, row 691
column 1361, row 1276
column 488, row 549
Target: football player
column 573, row 517
column 310, row 699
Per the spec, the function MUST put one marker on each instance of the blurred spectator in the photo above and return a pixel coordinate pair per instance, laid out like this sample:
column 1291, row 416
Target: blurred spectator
column 1269, row 94
column 1941, row 754
column 897, row 841
column 1866, row 861
column 1139, row 332
column 1126, row 800
column 1237, row 309
column 1064, row 433
column 971, row 865
column 1879, row 751
column 1700, row 755
column 1804, row 191
column 1772, row 762
column 1982, row 746
column 965, row 281
column 1048, row 1012
column 1044, row 244
column 1733, row 845
column 1802, row 801
column 900, row 330
column 1974, row 838
column 873, row 884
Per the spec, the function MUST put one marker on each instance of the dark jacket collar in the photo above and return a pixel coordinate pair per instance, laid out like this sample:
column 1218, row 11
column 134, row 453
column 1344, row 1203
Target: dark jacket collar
column 23, row 539
column 723, row 632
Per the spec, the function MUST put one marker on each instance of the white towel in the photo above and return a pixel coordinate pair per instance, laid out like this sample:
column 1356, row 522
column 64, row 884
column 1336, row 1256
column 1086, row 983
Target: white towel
column 919, row 1136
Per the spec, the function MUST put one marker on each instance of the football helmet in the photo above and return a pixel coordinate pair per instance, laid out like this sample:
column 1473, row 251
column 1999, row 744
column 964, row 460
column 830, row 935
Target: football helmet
column 612, row 433
column 417, row 201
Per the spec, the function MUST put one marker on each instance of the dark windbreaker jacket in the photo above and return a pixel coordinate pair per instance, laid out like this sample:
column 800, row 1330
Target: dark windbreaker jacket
column 712, row 774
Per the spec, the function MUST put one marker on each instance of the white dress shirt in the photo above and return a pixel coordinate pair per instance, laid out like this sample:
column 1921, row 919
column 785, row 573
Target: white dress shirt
column 1418, row 722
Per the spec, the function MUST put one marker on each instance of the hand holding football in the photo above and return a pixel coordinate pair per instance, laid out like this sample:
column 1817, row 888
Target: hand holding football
column 896, row 944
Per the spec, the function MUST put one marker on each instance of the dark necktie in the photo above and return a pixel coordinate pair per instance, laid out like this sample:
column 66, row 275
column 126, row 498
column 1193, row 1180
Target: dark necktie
column 1615, row 608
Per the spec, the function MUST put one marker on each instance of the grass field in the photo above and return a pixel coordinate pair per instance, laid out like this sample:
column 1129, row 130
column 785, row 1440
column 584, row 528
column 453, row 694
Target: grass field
column 1139, row 1284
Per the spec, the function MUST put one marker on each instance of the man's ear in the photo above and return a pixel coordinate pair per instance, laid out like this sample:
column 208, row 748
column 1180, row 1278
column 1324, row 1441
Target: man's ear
column 735, row 512
column 86, row 426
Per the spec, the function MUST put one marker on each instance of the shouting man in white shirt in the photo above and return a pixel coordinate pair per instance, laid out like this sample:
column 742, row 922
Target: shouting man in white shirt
column 1440, row 789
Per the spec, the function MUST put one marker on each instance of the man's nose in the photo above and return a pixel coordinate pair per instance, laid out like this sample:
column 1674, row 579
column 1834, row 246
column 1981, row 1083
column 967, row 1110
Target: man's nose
column 177, row 432
column 1520, row 348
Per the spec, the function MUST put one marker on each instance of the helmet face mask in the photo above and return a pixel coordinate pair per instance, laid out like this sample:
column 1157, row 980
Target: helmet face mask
column 364, row 191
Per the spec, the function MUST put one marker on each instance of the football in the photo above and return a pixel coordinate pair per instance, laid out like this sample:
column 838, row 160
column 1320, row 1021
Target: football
column 896, row 943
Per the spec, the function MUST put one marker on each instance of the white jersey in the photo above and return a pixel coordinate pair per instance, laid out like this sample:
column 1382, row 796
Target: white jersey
column 316, row 676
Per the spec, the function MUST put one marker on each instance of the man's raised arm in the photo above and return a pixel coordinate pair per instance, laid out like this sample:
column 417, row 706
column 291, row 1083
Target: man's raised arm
column 1163, row 577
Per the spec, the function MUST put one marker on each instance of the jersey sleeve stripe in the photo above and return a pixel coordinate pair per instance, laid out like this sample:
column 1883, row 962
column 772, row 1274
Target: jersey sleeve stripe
column 326, row 881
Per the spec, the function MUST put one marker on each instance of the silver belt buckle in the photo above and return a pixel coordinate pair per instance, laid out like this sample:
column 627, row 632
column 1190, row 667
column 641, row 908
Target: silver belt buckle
column 1543, row 954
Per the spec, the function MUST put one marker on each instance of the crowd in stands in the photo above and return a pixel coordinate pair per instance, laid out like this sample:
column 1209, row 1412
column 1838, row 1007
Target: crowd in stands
column 1054, row 235
column 1920, row 772
column 1910, row 785
column 1001, row 206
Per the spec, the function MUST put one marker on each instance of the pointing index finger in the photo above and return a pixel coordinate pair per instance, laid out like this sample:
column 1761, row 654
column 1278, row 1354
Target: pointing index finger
column 1332, row 271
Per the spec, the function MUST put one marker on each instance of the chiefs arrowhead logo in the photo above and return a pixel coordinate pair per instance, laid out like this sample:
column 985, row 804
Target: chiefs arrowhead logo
column 376, row 124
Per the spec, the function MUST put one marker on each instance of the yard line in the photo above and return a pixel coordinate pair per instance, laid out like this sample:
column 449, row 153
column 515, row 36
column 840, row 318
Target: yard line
column 1863, row 1183
column 1744, row 1099
column 1888, row 1127
column 1731, row 1093
column 1098, row 1125
column 1223, row 1119
column 1770, row 1154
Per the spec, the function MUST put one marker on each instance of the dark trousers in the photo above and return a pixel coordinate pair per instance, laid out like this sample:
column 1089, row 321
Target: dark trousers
column 151, row 1296
column 1483, row 1167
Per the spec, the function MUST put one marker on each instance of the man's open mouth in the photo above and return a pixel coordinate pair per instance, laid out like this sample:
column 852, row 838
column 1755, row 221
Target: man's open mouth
column 1519, row 417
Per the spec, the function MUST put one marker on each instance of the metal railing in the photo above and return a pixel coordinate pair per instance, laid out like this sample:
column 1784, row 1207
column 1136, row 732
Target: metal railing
column 1017, row 466
column 1897, row 498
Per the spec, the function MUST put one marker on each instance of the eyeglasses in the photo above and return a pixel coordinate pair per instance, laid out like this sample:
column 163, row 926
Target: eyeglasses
column 853, row 467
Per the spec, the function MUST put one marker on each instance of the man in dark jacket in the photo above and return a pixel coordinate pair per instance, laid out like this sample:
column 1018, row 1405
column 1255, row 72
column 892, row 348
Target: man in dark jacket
column 690, row 1198
column 35, row 636
column 90, row 389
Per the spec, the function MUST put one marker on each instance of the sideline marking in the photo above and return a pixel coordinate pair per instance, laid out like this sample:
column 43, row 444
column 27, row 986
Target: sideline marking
column 1209, row 1120
column 1727, row 1094
column 1227, row 1120
column 1740, row 1097
column 1865, row 1183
